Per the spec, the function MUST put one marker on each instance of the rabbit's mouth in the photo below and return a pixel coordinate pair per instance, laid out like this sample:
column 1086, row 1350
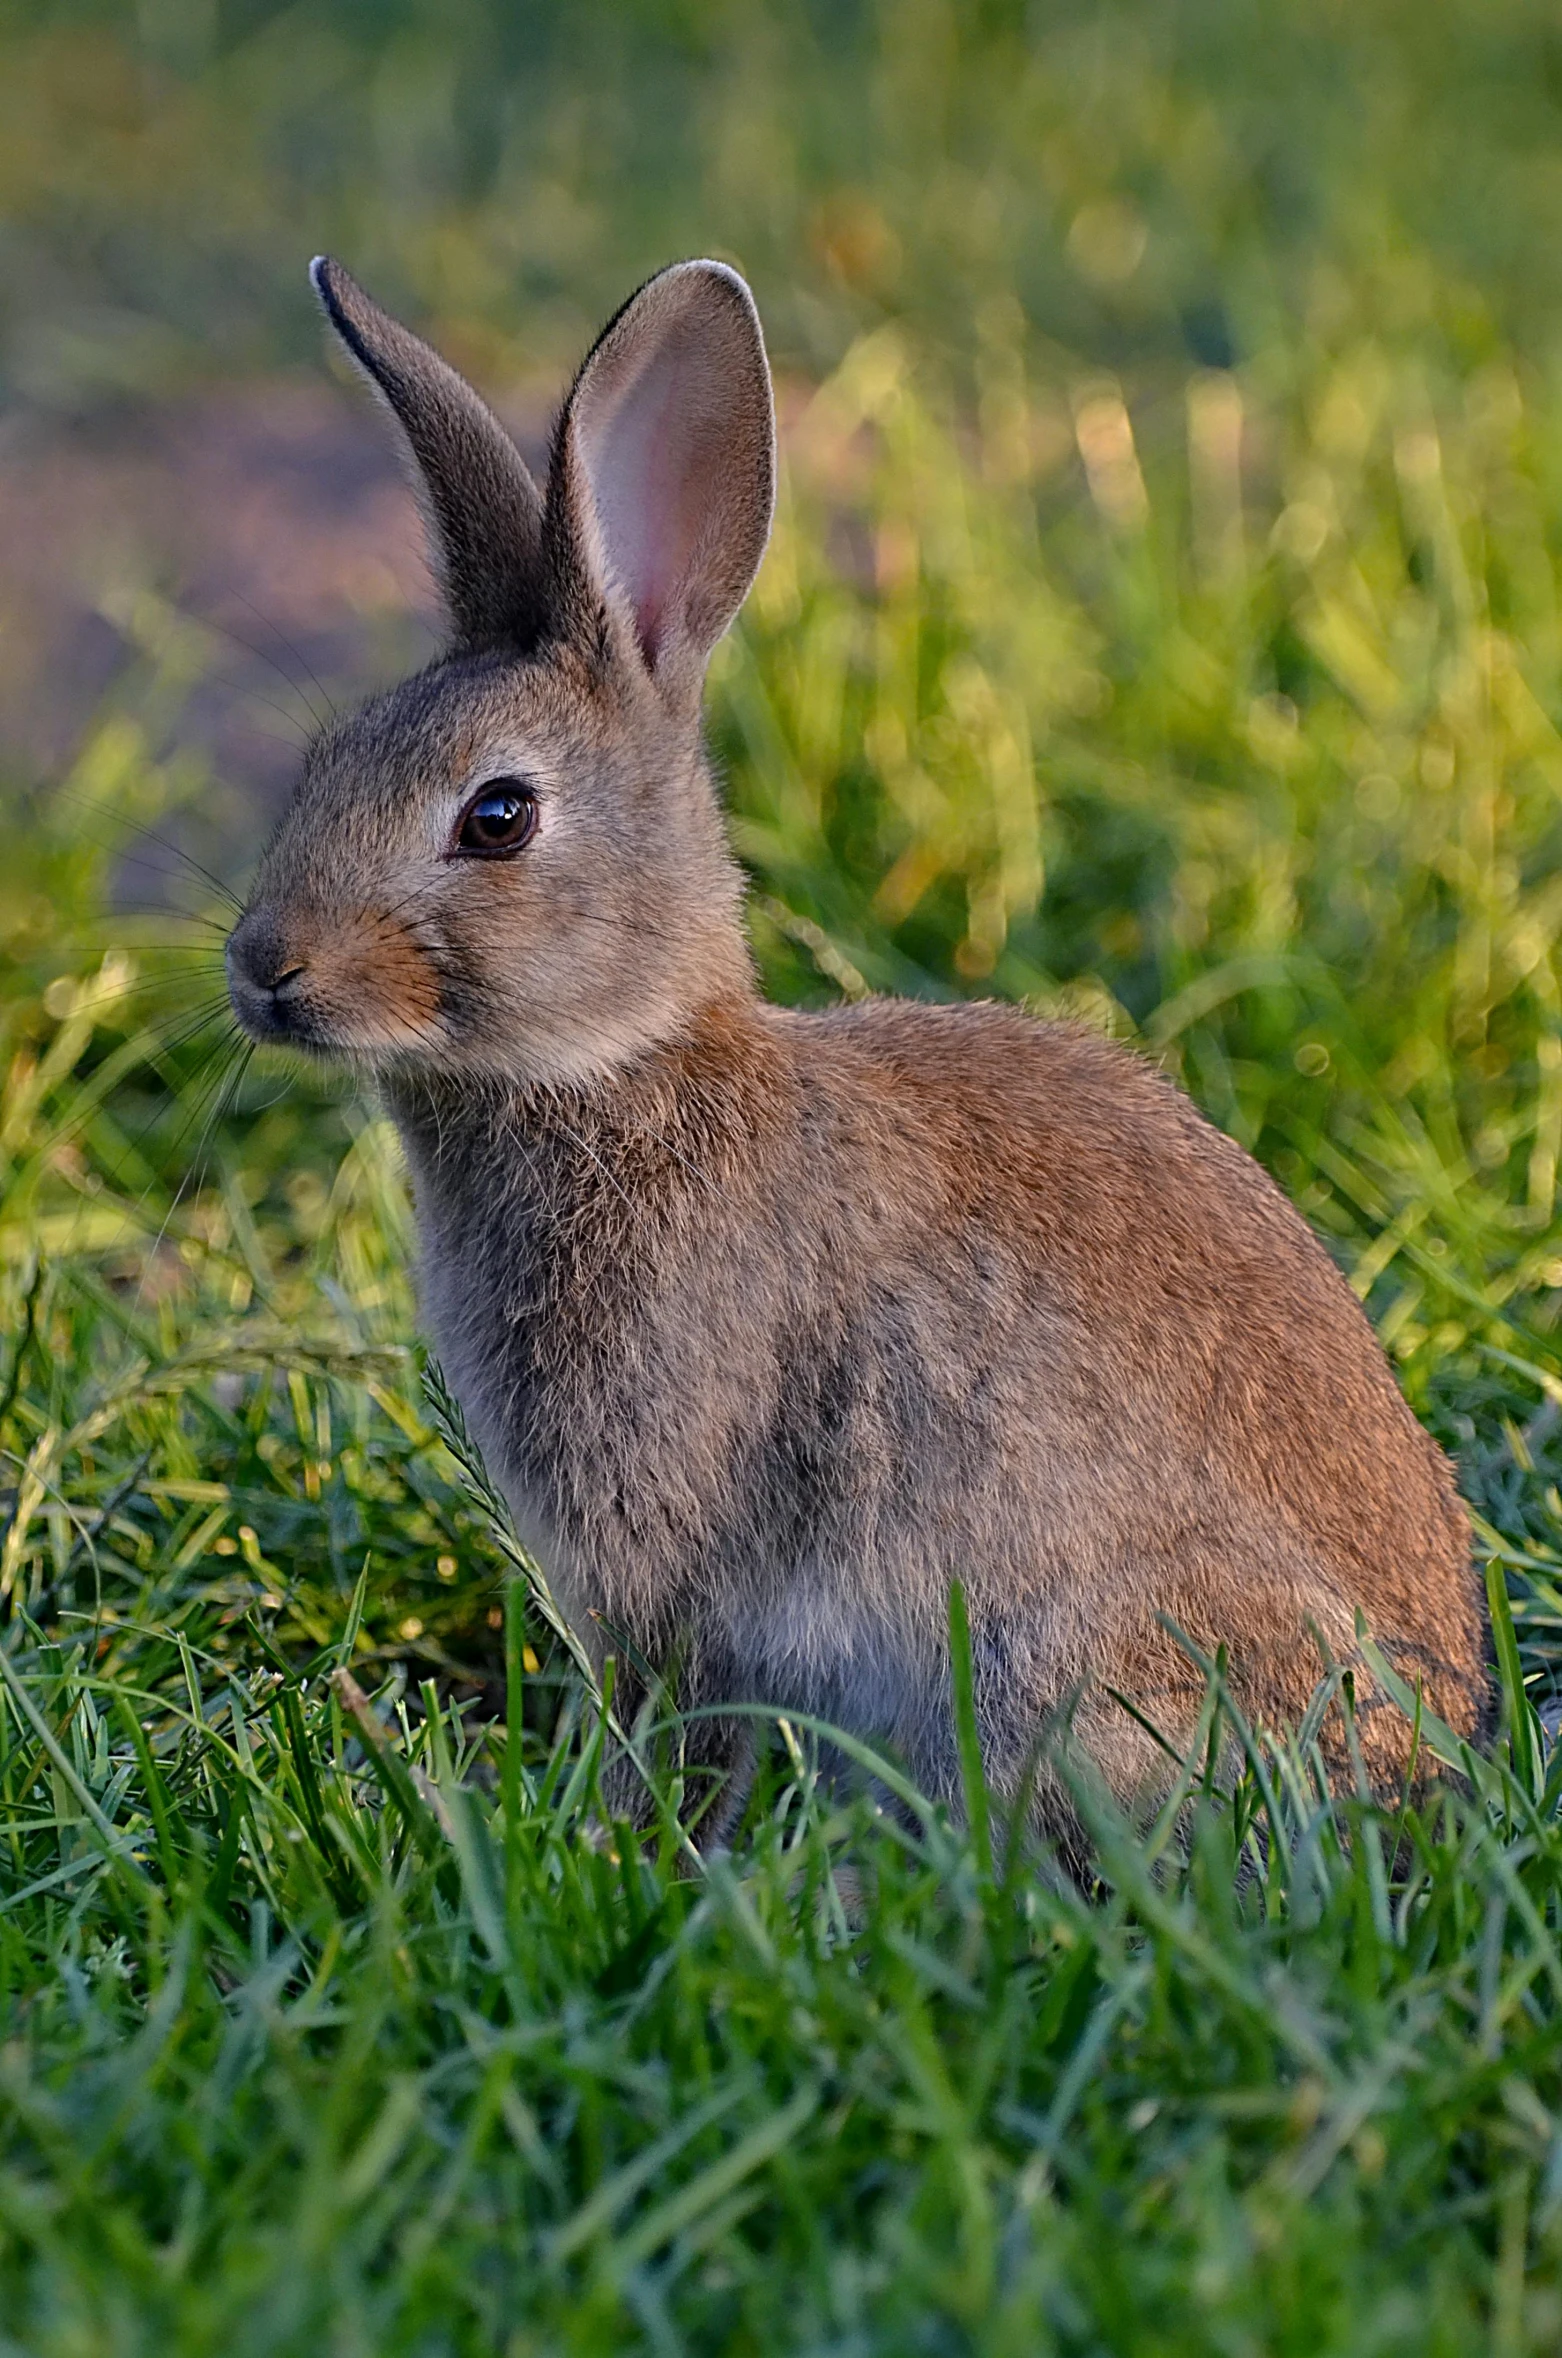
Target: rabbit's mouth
column 275, row 1010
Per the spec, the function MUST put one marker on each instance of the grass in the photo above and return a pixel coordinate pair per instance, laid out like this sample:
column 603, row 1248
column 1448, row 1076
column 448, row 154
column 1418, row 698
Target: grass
column 1210, row 694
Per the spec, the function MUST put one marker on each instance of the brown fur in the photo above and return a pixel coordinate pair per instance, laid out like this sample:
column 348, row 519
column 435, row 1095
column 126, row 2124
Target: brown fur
column 772, row 1325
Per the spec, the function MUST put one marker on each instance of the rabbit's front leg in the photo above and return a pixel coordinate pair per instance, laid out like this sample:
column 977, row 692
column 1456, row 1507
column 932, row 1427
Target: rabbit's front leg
column 678, row 1736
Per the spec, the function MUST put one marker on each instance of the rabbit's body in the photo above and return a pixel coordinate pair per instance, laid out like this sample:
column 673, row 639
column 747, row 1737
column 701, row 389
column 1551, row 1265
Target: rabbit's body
column 807, row 1316
column 774, row 1325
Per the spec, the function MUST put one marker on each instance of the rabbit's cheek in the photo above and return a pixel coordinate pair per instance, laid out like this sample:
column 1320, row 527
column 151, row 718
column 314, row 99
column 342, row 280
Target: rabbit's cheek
column 381, row 985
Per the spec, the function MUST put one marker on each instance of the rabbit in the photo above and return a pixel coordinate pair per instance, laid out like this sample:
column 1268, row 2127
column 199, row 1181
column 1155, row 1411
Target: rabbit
column 772, row 1325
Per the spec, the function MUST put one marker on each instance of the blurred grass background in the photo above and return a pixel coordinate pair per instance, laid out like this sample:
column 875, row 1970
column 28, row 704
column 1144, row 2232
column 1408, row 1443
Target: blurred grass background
column 1162, row 626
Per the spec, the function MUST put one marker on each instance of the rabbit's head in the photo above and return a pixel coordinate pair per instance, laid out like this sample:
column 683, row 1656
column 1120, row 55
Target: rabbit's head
column 514, row 864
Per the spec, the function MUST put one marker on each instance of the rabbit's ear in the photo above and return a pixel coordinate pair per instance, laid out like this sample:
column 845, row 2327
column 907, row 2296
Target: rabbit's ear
column 664, row 467
column 482, row 509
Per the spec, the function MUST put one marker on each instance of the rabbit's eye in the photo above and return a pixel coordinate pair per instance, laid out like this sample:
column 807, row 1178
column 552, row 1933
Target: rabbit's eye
column 502, row 819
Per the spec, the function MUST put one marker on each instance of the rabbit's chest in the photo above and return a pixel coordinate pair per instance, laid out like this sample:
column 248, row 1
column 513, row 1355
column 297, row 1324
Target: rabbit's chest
column 615, row 1400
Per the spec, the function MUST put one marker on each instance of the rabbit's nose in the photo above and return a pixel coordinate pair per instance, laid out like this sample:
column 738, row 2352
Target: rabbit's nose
column 261, row 966
column 258, row 953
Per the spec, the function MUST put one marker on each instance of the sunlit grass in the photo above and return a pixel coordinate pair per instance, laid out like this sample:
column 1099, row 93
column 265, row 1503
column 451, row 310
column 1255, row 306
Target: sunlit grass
column 337, row 2014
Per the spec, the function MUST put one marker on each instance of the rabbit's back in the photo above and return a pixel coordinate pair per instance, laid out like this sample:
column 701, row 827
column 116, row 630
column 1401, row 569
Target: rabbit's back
column 1164, row 1397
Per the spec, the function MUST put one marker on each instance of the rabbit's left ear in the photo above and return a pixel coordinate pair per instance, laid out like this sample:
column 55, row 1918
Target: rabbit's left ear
column 664, row 470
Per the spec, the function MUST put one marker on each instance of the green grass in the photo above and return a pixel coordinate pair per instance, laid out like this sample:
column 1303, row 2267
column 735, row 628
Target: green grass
column 1216, row 705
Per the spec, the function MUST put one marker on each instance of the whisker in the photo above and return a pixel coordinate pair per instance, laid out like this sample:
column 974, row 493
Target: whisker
column 208, row 1083
column 142, row 1140
column 261, row 656
column 155, row 1048
column 184, row 1103
column 297, row 654
column 389, row 916
column 140, row 833
column 181, row 967
column 195, row 1170
column 119, row 928
column 189, row 1017
column 161, row 1049
column 84, row 1114
column 266, row 1103
column 217, row 679
column 158, row 910
column 193, row 965
column 290, row 745
column 191, row 1021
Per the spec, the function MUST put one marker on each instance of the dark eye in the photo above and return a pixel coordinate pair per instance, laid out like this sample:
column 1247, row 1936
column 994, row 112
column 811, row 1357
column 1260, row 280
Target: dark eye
column 502, row 819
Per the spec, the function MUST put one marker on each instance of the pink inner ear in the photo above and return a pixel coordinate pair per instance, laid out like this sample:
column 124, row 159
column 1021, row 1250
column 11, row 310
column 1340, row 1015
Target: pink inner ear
column 648, row 464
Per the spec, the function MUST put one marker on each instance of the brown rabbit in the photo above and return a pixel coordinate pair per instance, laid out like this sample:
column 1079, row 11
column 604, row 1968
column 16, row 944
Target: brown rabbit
column 772, row 1325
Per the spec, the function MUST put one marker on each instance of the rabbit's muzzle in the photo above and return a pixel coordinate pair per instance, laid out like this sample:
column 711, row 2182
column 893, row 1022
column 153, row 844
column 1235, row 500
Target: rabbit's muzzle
column 354, row 981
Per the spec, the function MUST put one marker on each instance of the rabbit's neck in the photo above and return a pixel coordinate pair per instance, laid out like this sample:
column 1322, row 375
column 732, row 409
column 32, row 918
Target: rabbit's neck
column 709, row 1093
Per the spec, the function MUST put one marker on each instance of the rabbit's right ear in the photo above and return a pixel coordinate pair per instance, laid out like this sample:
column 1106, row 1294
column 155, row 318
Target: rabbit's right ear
column 482, row 509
